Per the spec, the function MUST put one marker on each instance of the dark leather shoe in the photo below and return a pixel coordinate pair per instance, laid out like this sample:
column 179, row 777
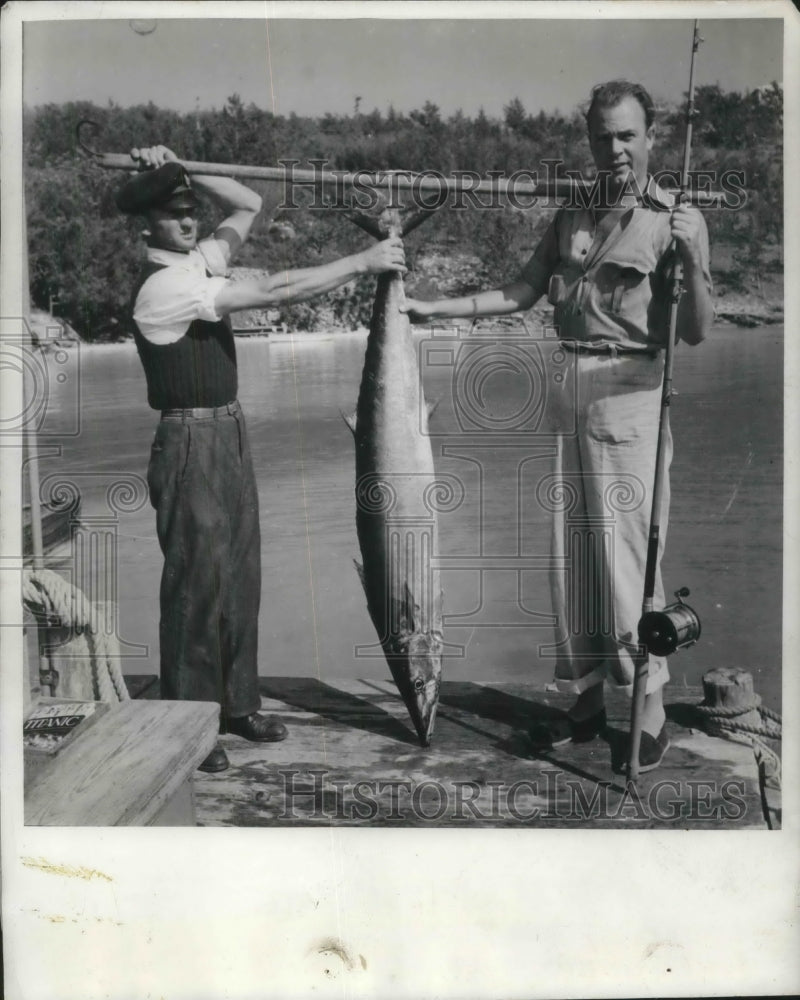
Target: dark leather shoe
column 258, row 728
column 652, row 750
column 217, row 760
column 550, row 733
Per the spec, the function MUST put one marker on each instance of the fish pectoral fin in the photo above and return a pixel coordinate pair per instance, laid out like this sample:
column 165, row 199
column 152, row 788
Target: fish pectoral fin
column 431, row 407
column 350, row 420
column 360, row 570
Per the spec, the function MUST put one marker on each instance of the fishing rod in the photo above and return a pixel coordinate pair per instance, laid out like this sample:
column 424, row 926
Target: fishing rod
column 677, row 626
column 429, row 182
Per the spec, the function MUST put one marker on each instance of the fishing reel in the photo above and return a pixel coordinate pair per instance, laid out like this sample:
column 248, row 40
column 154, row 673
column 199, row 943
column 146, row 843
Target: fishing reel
column 674, row 628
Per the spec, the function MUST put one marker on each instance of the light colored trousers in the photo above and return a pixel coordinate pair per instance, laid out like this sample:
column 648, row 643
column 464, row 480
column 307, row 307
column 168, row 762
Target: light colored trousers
column 605, row 411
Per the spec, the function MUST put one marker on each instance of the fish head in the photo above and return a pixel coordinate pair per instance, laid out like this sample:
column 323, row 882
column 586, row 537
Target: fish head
column 418, row 676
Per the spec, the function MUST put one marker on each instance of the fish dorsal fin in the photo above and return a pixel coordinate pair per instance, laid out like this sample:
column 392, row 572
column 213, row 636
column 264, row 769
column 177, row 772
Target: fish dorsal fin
column 350, row 420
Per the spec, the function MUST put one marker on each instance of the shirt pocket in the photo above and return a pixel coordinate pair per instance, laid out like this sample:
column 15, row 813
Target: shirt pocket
column 623, row 289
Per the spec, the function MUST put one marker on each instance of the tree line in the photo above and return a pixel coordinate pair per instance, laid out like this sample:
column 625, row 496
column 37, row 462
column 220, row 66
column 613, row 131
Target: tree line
column 87, row 256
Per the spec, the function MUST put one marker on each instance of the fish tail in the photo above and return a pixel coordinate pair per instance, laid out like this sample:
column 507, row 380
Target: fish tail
column 367, row 223
column 417, row 217
column 410, row 221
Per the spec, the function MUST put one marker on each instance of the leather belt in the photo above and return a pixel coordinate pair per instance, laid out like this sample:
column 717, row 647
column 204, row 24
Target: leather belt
column 610, row 350
column 202, row 412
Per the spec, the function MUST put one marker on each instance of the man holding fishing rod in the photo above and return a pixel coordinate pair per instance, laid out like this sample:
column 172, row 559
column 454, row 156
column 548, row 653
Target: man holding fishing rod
column 606, row 270
column 200, row 473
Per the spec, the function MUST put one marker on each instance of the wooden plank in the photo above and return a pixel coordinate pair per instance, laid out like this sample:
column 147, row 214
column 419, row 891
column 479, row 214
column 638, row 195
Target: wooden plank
column 126, row 768
column 352, row 759
column 180, row 809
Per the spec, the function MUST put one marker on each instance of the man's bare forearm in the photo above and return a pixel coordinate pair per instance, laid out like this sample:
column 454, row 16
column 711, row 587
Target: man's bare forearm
column 240, row 205
column 497, row 302
column 305, row 283
column 287, row 287
column 228, row 194
column 695, row 310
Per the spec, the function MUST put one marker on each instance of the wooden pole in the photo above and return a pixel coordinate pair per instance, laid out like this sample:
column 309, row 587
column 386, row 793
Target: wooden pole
column 427, row 183
column 30, row 453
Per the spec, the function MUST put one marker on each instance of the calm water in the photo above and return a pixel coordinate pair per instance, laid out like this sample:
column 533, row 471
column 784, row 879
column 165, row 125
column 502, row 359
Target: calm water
column 724, row 537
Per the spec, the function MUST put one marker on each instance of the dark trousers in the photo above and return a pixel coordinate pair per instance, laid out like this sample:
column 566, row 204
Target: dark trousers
column 203, row 489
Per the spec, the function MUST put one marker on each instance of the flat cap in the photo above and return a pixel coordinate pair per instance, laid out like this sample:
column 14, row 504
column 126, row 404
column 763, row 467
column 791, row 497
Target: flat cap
column 156, row 189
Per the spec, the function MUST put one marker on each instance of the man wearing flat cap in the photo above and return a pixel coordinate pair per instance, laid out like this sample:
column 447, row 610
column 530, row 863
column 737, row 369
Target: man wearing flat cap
column 200, row 474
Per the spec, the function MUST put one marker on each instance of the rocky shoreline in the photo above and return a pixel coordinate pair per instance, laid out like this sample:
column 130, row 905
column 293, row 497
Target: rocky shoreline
column 747, row 309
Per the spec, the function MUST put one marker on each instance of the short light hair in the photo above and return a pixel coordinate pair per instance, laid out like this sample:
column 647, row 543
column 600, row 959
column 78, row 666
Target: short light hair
column 609, row 95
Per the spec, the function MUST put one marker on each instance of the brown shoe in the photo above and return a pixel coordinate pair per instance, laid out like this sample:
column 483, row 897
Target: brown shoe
column 217, row 760
column 258, row 728
column 548, row 734
column 652, row 750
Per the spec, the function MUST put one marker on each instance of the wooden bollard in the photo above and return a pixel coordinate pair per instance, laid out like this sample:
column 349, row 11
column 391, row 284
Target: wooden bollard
column 67, row 651
column 731, row 689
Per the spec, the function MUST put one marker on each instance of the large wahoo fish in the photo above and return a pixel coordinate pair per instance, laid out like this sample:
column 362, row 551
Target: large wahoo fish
column 395, row 488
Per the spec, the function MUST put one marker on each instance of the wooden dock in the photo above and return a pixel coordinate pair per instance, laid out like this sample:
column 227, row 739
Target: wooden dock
column 352, row 759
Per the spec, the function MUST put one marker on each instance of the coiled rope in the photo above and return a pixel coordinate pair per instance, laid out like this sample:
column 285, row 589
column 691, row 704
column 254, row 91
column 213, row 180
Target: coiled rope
column 723, row 719
column 46, row 593
column 722, row 722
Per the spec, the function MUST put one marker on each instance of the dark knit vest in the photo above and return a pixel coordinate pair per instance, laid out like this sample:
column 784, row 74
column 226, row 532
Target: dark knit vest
column 197, row 370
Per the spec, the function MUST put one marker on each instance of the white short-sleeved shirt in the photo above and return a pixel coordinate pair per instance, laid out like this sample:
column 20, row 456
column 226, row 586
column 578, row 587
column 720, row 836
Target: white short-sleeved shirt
column 183, row 291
